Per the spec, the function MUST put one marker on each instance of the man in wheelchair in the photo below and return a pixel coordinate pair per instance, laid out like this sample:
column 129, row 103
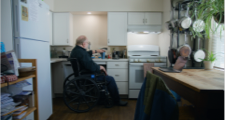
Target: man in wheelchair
column 86, row 63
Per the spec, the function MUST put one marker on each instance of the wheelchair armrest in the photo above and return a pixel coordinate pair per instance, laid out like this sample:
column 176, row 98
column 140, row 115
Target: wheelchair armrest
column 85, row 72
column 100, row 74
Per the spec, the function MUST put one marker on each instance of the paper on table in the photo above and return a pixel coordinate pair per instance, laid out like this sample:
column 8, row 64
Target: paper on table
column 20, row 116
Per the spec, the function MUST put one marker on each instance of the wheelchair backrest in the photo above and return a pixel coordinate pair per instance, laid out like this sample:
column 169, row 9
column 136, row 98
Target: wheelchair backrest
column 75, row 66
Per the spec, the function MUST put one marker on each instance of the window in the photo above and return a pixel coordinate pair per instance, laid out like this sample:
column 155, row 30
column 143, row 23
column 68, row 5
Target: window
column 217, row 46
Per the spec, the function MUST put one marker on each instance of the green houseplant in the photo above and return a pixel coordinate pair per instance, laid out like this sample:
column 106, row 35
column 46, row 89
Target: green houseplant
column 208, row 10
column 209, row 60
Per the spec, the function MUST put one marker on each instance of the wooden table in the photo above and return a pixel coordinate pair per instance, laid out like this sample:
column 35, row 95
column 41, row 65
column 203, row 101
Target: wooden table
column 203, row 88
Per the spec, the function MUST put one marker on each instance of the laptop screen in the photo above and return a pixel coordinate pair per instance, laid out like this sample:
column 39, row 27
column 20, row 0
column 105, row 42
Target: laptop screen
column 180, row 63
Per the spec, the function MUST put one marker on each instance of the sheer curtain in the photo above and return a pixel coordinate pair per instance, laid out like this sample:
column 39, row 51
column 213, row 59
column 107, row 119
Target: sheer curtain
column 217, row 45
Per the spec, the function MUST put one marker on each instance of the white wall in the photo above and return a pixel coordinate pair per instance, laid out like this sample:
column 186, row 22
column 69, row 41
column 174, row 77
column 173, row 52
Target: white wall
column 142, row 39
column 164, row 37
column 92, row 26
column 107, row 5
column 50, row 4
column 6, row 24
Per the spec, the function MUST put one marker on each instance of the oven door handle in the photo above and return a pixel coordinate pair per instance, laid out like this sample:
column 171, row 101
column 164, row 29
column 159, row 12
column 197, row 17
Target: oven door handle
column 136, row 64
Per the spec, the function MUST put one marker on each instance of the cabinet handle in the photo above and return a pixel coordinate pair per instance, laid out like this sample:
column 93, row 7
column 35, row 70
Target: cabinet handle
column 67, row 41
column 117, row 64
column 116, row 75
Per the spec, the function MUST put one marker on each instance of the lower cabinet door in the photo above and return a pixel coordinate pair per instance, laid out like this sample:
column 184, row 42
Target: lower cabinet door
column 118, row 74
column 133, row 93
column 122, row 87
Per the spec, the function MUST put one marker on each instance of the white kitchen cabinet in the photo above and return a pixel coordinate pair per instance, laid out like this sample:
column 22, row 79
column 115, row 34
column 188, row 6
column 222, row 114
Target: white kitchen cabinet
column 144, row 18
column 153, row 18
column 119, row 71
column 117, row 65
column 136, row 18
column 122, row 87
column 117, row 28
column 118, row 74
column 62, row 29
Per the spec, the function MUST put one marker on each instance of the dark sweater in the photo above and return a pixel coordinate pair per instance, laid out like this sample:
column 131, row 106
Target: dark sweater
column 84, row 59
column 155, row 101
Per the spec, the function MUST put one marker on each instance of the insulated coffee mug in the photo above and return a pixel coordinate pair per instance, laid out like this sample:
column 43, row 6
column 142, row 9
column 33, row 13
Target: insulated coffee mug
column 103, row 55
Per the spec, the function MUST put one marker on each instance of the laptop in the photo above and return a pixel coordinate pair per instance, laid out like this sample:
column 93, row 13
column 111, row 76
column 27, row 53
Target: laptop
column 177, row 68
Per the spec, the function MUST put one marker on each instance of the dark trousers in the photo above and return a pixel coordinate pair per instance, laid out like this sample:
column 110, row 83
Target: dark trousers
column 111, row 86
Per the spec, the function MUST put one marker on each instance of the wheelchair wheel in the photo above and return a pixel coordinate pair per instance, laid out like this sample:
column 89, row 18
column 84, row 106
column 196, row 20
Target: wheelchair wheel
column 68, row 79
column 81, row 94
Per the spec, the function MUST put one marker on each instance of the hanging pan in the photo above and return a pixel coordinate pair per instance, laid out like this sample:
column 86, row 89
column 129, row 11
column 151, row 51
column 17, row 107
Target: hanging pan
column 185, row 21
column 172, row 52
column 174, row 3
column 172, row 22
column 199, row 55
column 198, row 25
column 184, row 50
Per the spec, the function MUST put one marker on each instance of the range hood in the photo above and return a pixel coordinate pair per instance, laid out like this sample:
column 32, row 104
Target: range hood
column 144, row 29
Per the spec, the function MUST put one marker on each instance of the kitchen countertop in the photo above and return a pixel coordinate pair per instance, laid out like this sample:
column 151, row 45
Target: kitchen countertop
column 111, row 60
column 54, row 60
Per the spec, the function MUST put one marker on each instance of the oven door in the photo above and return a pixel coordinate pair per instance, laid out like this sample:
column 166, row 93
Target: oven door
column 136, row 74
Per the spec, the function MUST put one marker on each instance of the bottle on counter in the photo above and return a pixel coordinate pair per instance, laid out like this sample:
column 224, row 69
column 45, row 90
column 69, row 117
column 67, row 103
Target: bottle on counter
column 109, row 57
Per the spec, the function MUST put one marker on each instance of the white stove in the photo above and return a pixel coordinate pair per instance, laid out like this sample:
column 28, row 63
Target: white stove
column 147, row 59
column 138, row 55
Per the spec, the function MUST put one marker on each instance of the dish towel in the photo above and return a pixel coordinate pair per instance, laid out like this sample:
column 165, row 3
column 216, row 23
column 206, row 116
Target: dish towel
column 147, row 67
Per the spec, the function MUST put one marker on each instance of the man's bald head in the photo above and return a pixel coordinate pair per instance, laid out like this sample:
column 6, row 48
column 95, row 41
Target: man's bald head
column 80, row 40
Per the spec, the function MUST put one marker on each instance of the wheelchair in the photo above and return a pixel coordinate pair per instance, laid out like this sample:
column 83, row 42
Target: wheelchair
column 82, row 91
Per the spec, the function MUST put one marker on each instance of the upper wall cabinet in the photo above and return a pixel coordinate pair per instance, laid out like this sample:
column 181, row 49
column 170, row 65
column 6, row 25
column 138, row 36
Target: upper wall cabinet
column 62, row 29
column 117, row 28
column 144, row 18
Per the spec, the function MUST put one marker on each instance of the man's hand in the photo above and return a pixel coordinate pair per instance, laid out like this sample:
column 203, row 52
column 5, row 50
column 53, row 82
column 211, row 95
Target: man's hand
column 100, row 51
column 103, row 69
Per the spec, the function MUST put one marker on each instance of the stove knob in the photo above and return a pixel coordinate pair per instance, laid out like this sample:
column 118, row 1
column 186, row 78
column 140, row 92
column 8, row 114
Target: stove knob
column 135, row 60
column 148, row 61
column 139, row 60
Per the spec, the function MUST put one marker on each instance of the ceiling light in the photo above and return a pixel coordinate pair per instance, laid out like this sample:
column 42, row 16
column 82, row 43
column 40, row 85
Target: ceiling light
column 89, row 13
